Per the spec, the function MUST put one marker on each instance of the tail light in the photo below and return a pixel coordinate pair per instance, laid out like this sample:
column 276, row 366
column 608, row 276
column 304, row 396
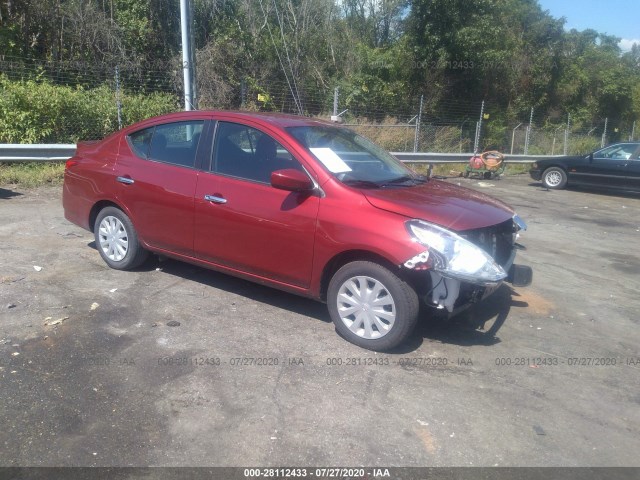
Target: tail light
column 70, row 163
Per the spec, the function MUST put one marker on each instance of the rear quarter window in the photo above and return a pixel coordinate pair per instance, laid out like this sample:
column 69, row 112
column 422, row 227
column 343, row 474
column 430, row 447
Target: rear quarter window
column 140, row 142
column 175, row 143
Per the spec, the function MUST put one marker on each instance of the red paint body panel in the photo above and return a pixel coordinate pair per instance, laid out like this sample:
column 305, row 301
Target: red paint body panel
column 444, row 204
column 275, row 237
column 348, row 222
column 261, row 230
column 90, row 179
column 160, row 202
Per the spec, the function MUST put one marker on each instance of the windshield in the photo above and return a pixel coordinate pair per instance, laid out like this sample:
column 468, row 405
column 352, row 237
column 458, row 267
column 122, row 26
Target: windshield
column 353, row 159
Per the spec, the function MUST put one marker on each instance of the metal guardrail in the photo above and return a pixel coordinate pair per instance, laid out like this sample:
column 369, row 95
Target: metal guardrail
column 59, row 153
column 14, row 152
column 410, row 157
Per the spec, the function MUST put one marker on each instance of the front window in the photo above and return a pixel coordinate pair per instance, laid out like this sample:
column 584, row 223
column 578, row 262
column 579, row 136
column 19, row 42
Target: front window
column 353, row 159
column 617, row 152
column 246, row 153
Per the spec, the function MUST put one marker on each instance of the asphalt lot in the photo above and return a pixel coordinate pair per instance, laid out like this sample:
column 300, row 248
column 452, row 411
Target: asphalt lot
column 257, row 377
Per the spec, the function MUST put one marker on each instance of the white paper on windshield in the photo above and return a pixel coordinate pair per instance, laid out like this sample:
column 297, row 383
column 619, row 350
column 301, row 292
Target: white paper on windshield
column 330, row 160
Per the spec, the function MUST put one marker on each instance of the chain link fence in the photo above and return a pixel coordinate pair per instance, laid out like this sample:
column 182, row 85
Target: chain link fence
column 54, row 102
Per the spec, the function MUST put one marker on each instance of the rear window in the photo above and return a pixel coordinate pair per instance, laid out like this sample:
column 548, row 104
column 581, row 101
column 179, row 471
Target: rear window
column 140, row 142
column 175, row 143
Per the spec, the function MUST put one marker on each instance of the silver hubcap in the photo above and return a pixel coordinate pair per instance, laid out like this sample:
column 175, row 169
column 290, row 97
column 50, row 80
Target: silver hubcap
column 114, row 240
column 366, row 307
column 553, row 178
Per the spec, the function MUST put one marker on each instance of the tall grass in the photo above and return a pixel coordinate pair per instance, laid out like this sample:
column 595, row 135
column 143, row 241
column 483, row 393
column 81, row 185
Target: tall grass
column 31, row 174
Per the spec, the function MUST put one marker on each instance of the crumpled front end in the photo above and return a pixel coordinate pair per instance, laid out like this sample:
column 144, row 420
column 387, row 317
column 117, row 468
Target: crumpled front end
column 458, row 269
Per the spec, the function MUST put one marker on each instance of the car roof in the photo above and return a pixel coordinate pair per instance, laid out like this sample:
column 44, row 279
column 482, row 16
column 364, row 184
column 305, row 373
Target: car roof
column 279, row 119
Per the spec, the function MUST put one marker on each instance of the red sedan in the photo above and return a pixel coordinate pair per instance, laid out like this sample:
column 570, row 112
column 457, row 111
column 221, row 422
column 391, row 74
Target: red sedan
column 298, row 204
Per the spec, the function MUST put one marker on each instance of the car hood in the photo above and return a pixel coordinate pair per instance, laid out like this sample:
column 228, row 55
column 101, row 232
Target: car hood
column 442, row 203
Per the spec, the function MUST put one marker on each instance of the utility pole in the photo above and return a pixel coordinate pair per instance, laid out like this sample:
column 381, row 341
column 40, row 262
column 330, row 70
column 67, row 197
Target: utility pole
column 604, row 132
column 187, row 56
column 633, row 131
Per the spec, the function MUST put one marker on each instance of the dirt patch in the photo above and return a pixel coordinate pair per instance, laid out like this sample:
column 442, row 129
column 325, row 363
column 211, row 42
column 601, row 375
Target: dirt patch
column 536, row 303
column 427, row 439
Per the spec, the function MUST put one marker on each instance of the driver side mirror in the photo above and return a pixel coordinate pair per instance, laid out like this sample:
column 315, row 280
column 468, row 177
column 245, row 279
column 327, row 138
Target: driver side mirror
column 291, row 180
column 591, row 158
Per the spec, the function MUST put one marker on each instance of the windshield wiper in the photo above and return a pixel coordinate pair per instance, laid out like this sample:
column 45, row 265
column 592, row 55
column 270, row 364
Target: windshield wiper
column 361, row 183
column 402, row 181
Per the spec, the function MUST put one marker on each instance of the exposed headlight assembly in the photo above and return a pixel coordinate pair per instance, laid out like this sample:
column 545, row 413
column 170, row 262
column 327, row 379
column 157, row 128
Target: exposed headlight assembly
column 453, row 256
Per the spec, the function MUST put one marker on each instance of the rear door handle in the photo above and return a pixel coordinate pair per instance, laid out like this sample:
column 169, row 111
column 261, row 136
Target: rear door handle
column 214, row 199
column 125, row 180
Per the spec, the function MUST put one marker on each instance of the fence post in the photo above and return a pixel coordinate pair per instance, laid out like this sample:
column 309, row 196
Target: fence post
column 461, row 129
column 243, row 94
column 513, row 136
column 553, row 145
column 528, row 135
column 416, row 140
column 633, row 131
column 604, row 133
column 118, row 100
column 335, row 101
column 476, row 143
column 566, row 134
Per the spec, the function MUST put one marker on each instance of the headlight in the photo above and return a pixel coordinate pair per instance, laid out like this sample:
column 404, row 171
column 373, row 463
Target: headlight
column 534, row 166
column 453, row 256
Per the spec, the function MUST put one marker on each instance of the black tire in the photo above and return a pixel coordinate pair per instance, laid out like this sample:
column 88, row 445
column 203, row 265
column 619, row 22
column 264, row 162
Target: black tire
column 134, row 255
column 554, row 178
column 393, row 290
column 466, row 174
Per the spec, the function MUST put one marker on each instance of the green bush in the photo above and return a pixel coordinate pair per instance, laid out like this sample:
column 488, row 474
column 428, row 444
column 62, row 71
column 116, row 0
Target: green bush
column 37, row 111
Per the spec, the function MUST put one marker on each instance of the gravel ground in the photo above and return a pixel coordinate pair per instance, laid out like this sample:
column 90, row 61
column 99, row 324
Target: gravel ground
column 174, row 365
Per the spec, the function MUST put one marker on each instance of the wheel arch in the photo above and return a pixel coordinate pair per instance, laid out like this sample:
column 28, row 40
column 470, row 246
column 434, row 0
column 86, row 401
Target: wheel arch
column 557, row 165
column 342, row 258
column 97, row 208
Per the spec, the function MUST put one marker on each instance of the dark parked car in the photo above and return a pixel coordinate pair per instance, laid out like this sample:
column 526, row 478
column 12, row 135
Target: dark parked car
column 616, row 166
column 298, row 204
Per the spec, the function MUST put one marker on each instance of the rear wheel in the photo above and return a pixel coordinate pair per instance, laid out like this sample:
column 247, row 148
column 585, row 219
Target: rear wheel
column 117, row 240
column 371, row 306
column 554, row 178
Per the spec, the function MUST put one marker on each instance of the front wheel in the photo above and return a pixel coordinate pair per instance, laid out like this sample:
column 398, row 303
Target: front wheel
column 371, row 306
column 554, row 178
column 117, row 240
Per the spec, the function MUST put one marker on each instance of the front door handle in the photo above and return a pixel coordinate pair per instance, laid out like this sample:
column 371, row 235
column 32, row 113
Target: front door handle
column 125, row 180
column 214, row 199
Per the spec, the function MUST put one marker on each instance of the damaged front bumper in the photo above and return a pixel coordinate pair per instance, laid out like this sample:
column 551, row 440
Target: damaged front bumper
column 448, row 292
column 456, row 269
